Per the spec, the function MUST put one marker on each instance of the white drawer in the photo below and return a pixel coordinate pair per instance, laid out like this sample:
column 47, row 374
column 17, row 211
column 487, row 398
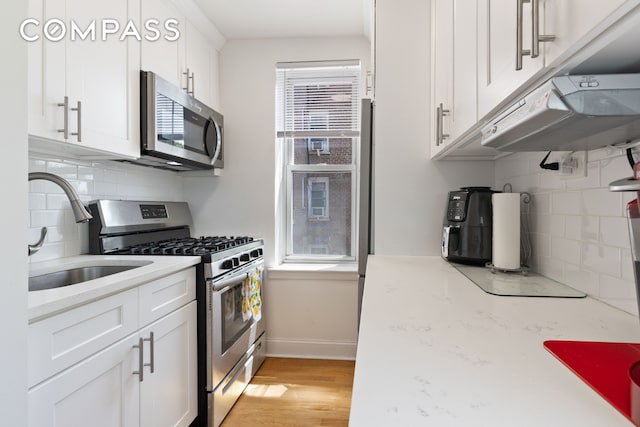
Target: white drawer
column 58, row 342
column 165, row 295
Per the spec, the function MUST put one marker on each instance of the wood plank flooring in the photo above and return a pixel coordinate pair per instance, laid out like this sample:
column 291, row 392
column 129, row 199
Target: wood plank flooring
column 295, row 392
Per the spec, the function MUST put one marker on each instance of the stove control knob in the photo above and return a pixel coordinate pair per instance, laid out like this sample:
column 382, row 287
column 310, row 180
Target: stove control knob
column 254, row 253
column 244, row 257
column 227, row 264
column 236, row 262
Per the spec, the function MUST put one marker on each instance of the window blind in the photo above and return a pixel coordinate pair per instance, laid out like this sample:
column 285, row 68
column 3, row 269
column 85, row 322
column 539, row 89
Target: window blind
column 318, row 99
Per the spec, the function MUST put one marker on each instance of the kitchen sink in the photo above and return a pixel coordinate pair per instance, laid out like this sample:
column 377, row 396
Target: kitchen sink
column 74, row 276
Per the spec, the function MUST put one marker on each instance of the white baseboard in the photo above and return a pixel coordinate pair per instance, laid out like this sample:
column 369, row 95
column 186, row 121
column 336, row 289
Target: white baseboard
column 311, row 349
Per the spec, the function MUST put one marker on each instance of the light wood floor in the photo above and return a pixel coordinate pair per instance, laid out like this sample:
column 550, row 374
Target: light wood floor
column 295, row 392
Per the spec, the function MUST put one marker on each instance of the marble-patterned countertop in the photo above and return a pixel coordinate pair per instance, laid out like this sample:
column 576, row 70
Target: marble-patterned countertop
column 48, row 302
column 435, row 350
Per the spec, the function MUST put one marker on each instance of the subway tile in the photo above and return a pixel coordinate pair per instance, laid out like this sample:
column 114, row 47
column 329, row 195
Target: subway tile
column 614, row 231
column 584, row 228
column 37, row 201
column 603, row 259
column 47, row 218
column 616, row 287
column 628, row 305
column 601, row 202
column 541, row 245
column 613, row 169
column 565, row 250
column 541, row 203
column 566, row 203
column 64, row 170
column 48, row 252
column 592, row 180
column 557, row 226
column 627, row 265
column 549, row 181
column 582, row 279
column 551, row 267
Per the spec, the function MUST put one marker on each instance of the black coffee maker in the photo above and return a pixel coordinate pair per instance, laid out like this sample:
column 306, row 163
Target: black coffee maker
column 467, row 226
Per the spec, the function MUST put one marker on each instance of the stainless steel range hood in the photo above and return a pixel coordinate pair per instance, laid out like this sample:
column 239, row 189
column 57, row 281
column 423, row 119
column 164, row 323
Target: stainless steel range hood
column 570, row 113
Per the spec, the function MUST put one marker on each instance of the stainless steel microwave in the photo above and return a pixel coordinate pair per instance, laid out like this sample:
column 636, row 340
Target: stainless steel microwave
column 178, row 132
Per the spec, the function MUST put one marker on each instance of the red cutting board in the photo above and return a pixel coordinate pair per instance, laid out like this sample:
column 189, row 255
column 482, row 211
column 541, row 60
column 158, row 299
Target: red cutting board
column 604, row 366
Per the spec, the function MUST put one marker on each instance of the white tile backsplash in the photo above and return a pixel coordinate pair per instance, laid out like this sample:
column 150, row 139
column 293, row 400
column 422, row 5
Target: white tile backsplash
column 578, row 227
column 49, row 207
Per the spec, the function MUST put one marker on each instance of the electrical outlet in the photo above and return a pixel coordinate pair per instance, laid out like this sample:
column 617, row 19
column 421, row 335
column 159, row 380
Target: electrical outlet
column 573, row 165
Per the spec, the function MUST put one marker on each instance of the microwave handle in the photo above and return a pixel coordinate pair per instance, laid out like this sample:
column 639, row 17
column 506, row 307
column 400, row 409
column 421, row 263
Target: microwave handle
column 218, row 141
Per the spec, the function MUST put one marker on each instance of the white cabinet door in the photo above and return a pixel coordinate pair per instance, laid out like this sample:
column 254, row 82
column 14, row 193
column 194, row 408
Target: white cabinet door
column 569, row 20
column 497, row 74
column 465, row 80
column 454, row 70
column 163, row 57
column 168, row 396
column 101, row 391
column 200, row 54
column 442, row 77
column 97, row 73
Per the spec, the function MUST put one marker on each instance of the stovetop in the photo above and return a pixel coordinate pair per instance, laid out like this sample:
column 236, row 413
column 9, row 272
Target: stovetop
column 187, row 246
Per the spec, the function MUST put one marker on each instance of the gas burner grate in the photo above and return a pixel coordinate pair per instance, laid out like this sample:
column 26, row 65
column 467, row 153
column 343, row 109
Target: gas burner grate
column 188, row 246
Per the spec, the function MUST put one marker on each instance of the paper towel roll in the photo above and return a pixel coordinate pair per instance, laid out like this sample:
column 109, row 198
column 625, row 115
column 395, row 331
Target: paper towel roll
column 506, row 231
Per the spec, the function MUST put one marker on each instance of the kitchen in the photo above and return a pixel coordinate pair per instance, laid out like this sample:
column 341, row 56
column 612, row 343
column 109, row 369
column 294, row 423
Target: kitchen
column 585, row 228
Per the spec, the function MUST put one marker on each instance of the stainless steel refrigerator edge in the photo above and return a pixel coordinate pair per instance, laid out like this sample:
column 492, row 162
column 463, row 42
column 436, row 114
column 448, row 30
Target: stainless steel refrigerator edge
column 365, row 213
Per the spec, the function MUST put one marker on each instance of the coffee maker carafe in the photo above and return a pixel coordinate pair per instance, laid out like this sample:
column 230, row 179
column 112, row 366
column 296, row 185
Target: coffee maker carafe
column 467, row 226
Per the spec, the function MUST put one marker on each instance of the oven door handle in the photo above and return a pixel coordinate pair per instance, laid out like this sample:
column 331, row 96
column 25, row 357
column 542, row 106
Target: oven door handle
column 235, row 277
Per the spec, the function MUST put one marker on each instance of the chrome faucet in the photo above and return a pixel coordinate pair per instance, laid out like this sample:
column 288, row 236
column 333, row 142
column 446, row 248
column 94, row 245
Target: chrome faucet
column 79, row 211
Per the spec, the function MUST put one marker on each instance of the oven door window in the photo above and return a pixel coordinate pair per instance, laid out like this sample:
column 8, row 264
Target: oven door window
column 241, row 306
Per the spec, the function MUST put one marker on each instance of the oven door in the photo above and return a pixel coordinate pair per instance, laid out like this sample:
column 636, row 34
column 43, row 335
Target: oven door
column 234, row 319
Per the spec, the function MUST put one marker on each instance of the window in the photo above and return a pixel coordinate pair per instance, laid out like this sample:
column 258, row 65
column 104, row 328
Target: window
column 318, row 130
column 318, row 197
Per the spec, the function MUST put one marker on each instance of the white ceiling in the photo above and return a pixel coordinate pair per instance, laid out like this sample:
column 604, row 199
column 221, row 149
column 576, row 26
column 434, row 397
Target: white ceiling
column 250, row 19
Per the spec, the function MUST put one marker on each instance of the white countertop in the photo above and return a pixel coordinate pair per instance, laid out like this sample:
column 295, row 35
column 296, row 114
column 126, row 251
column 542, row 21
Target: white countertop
column 48, row 302
column 436, row 350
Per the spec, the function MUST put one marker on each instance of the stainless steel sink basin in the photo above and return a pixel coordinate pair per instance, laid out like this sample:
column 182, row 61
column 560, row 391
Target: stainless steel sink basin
column 73, row 276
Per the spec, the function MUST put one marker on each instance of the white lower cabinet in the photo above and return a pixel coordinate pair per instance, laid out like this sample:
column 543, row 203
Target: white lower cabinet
column 168, row 396
column 100, row 391
column 146, row 379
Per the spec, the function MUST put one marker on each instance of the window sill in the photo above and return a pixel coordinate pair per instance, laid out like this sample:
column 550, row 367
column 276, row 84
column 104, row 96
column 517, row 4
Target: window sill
column 327, row 271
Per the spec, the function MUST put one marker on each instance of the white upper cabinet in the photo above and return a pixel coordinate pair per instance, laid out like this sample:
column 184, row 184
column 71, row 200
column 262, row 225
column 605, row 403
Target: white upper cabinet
column 504, row 36
column 518, row 45
column 189, row 62
column 201, row 65
column 569, row 20
column 162, row 56
column 85, row 92
column 454, row 70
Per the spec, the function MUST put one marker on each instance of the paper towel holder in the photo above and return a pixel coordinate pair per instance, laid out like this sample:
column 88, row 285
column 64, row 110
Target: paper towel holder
column 525, row 198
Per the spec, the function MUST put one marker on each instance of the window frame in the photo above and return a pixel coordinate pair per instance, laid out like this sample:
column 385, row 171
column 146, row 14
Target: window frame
column 287, row 168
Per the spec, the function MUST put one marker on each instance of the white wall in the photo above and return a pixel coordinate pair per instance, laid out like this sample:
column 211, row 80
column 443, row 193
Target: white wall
column 242, row 201
column 578, row 227
column 13, row 254
column 410, row 189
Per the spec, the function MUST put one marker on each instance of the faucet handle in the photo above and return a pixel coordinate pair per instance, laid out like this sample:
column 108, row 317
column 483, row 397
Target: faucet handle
column 36, row 247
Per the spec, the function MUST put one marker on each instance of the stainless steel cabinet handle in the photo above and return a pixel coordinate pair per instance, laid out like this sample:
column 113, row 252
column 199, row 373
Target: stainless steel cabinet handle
column 190, row 77
column 140, row 371
column 520, row 52
column 78, row 109
column 536, row 38
column 151, row 363
column 440, row 135
column 65, row 128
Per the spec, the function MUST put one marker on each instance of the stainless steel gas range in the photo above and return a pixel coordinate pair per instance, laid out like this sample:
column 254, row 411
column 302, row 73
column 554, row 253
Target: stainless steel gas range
column 229, row 298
